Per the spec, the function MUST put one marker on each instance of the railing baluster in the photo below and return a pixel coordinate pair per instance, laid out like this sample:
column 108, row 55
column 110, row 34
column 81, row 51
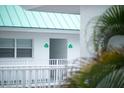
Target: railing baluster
column 16, row 78
column 0, row 78
column 36, row 72
column 5, row 78
column 43, row 77
column 61, row 74
column 48, row 77
column 30, row 75
column 57, row 74
column 65, row 72
column 10, row 77
column 54, row 74
column 2, row 82
column 23, row 71
column 40, row 76
column 58, row 81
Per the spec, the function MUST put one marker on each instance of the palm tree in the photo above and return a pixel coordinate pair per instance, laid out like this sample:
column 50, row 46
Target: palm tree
column 109, row 24
column 107, row 70
column 114, row 79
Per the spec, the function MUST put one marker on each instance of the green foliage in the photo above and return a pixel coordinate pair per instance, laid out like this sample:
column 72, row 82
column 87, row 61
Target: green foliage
column 107, row 68
column 113, row 80
column 109, row 24
column 94, row 72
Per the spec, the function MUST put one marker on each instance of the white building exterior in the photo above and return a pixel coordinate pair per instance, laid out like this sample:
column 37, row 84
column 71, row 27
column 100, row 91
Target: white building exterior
column 40, row 28
column 40, row 53
column 35, row 47
column 41, row 36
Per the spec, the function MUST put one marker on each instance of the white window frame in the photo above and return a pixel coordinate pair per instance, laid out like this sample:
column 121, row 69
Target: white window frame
column 9, row 48
column 15, row 48
column 24, row 48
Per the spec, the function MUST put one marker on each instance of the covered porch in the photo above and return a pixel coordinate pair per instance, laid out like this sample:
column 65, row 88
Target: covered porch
column 29, row 73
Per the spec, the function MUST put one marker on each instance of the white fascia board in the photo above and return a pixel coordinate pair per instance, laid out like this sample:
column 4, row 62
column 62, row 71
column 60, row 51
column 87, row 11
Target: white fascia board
column 29, row 7
column 39, row 30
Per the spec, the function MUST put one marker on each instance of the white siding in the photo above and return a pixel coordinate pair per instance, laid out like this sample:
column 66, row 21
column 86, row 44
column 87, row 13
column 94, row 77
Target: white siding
column 39, row 39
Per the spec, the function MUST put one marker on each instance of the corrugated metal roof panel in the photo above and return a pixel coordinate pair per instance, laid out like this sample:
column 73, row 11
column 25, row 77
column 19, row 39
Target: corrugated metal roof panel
column 15, row 16
column 1, row 21
column 5, row 17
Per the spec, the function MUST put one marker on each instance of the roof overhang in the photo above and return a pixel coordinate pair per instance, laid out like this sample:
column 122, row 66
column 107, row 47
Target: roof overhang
column 69, row 9
column 38, row 30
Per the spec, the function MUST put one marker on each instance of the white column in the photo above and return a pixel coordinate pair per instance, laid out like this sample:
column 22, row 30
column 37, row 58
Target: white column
column 87, row 12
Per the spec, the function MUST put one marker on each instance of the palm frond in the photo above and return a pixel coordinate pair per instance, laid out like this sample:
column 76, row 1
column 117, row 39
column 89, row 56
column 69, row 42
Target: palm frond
column 109, row 24
column 114, row 80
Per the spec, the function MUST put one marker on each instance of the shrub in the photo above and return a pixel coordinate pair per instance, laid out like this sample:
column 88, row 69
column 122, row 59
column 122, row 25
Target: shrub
column 93, row 73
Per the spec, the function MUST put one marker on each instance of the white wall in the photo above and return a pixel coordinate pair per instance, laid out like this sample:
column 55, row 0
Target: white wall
column 87, row 12
column 39, row 39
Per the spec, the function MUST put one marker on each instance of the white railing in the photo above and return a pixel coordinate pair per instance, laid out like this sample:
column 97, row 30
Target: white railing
column 22, row 61
column 58, row 62
column 35, row 75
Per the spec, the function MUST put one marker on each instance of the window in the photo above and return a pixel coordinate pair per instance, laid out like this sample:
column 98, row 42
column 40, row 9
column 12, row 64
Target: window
column 6, row 48
column 24, row 47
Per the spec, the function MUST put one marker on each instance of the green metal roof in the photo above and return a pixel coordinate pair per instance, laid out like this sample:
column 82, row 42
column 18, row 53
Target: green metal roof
column 16, row 16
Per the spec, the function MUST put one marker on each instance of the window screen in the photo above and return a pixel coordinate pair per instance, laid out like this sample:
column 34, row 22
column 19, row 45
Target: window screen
column 6, row 47
column 6, row 43
column 24, row 43
column 4, row 52
column 24, row 52
column 24, row 47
